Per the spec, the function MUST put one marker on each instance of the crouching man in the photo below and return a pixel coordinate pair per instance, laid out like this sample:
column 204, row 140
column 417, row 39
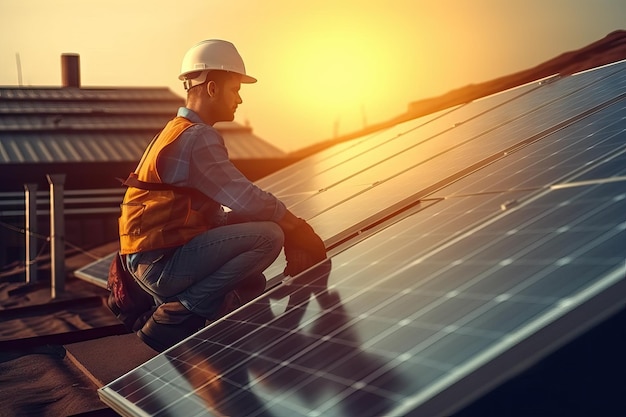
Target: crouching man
column 195, row 258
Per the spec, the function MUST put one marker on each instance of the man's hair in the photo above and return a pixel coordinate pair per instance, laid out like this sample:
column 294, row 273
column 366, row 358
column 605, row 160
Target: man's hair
column 219, row 77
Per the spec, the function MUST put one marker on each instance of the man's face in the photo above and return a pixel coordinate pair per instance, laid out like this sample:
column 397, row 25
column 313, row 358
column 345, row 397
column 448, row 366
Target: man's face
column 227, row 98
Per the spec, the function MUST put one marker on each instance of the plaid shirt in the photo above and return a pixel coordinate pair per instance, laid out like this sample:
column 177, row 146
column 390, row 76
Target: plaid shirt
column 199, row 159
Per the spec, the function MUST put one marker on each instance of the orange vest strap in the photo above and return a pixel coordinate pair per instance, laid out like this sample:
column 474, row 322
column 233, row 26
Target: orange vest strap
column 134, row 181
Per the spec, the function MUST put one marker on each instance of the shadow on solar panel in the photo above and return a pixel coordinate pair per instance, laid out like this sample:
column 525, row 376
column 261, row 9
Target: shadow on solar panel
column 283, row 356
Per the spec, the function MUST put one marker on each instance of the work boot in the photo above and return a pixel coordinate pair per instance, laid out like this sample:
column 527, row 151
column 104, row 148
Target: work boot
column 169, row 324
column 143, row 319
column 129, row 317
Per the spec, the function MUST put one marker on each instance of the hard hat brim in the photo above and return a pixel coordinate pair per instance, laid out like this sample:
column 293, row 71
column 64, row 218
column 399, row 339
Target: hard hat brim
column 246, row 79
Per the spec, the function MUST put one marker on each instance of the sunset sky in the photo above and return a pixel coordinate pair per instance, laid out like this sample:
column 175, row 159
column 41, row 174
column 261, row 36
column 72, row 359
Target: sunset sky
column 321, row 64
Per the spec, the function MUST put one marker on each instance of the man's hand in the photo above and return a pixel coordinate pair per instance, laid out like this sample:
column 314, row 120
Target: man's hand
column 303, row 248
column 297, row 261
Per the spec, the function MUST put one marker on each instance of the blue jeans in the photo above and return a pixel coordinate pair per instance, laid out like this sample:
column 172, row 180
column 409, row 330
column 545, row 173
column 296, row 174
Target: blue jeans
column 200, row 272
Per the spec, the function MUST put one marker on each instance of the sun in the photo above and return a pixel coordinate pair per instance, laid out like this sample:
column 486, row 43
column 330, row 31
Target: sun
column 335, row 73
column 338, row 71
column 339, row 66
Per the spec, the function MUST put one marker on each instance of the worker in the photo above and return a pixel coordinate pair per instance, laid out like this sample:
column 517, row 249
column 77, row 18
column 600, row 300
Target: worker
column 193, row 229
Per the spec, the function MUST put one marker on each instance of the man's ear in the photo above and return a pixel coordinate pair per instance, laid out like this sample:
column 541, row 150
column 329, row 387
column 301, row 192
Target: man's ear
column 211, row 88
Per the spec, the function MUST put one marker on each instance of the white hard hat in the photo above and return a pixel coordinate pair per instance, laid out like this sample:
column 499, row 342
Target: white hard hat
column 212, row 54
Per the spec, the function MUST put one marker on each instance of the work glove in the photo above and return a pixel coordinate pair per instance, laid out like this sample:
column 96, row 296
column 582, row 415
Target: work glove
column 303, row 248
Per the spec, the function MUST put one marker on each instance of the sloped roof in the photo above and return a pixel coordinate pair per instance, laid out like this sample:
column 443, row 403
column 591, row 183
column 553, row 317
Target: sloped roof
column 69, row 124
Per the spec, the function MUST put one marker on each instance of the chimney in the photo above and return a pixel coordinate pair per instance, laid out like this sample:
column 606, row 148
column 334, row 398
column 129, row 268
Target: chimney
column 70, row 70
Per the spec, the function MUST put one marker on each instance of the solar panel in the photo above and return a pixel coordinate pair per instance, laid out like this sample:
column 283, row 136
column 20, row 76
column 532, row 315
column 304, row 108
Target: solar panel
column 391, row 336
column 486, row 246
column 96, row 272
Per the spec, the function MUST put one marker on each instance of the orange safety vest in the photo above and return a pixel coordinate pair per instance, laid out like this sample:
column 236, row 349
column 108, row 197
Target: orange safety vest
column 158, row 215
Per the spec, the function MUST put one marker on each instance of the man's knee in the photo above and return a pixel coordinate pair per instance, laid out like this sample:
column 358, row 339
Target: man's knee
column 276, row 233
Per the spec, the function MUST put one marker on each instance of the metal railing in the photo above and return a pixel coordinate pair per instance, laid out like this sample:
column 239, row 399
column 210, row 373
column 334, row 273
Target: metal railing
column 56, row 204
column 95, row 201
